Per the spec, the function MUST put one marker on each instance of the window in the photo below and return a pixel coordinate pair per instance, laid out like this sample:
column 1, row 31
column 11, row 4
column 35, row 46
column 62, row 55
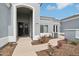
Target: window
column 43, row 28
column 55, row 28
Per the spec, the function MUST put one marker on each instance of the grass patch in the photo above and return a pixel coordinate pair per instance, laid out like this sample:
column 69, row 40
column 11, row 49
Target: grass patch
column 74, row 42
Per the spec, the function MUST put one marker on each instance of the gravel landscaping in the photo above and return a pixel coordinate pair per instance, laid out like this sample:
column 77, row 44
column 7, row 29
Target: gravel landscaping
column 70, row 48
column 7, row 50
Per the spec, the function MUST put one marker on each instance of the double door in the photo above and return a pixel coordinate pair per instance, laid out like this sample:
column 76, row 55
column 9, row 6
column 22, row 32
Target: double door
column 23, row 29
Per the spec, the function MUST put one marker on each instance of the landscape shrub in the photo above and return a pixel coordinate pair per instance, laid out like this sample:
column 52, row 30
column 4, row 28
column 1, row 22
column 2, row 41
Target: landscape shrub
column 66, row 40
column 74, row 43
column 50, row 37
column 59, row 44
column 44, row 39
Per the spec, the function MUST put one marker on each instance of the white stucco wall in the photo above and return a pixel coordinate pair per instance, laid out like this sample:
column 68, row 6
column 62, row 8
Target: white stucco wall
column 4, row 22
column 71, row 24
column 70, row 34
column 77, row 34
column 50, row 22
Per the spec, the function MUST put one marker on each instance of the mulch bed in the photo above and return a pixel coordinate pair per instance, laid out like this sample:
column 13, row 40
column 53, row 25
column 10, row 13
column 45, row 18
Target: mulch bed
column 7, row 50
column 65, row 50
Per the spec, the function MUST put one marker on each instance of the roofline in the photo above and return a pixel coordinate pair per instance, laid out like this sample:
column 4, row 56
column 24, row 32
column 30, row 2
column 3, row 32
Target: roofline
column 50, row 17
column 69, row 17
column 47, row 16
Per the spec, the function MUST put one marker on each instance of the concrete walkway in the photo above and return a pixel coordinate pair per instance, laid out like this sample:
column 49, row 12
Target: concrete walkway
column 24, row 48
column 40, row 47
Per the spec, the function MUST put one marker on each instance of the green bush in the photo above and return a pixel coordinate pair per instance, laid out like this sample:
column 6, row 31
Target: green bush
column 74, row 43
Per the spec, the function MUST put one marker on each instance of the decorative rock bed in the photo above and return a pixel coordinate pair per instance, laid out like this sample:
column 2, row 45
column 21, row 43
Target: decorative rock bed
column 63, row 48
column 7, row 50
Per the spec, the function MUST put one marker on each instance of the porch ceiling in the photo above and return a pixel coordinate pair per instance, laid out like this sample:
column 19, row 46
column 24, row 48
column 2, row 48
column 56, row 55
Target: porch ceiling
column 24, row 10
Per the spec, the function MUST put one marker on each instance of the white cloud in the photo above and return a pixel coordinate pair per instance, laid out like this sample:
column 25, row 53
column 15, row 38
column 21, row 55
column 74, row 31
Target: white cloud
column 77, row 7
column 59, row 6
column 62, row 5
column 50, row 8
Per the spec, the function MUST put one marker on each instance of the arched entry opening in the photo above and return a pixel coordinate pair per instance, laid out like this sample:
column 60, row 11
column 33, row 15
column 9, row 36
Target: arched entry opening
column 24, row 21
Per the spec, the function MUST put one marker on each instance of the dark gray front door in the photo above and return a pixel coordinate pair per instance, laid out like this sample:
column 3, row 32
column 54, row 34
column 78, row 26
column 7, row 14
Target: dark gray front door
column 20, row 28
column 23, row 29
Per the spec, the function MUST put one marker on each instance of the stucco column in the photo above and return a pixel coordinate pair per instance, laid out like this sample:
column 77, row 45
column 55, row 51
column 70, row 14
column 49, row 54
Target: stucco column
column 12, row 38
column 33, row 24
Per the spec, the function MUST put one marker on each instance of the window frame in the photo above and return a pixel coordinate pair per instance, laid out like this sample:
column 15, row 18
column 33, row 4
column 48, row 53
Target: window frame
column 42, row 30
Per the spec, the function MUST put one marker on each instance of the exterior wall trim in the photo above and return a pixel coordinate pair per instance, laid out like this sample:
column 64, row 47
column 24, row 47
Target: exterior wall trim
column 71, row 29
column 11, row 39
column 65, row 20
column 3, row 41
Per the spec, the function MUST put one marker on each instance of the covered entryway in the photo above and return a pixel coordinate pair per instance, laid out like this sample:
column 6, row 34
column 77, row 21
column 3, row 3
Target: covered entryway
column 24, row 22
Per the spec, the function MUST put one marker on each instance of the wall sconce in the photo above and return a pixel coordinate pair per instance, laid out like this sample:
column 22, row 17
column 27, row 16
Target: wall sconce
column 8, row 5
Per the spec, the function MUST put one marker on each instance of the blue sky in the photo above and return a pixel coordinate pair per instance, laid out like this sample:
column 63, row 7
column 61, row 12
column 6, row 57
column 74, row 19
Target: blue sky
column 59, row 10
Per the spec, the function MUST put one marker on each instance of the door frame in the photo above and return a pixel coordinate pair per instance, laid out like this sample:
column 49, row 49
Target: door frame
column 14, row 19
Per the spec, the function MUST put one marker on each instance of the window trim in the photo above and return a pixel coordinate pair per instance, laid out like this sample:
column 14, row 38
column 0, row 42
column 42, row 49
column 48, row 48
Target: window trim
column 42, row 28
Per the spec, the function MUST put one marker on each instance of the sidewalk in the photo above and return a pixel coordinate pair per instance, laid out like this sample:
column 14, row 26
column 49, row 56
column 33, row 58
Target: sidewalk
column 24, row 48
column 40, row 47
